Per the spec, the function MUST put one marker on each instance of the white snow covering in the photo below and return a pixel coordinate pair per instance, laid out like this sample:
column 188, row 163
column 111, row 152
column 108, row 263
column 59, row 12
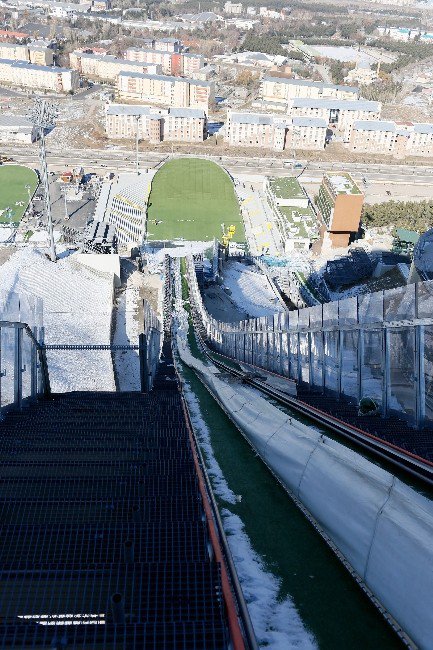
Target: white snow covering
column 250, row 290
column 155, row 255
column 127, row 329
column 276, row 622
column 77, row 310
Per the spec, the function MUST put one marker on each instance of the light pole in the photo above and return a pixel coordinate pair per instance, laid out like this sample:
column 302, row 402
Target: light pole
column 30, row 204
column 137, row 120
column 43, row 117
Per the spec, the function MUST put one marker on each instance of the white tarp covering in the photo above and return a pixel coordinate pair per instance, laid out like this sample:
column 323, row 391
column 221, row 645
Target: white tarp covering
column 383, row 527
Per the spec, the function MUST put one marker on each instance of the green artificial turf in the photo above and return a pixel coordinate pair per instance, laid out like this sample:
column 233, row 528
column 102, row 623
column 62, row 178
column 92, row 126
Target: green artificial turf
column 13, row 181
column 190, row 199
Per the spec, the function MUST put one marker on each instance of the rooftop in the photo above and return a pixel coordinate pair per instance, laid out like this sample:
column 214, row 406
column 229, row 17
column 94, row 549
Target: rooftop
column 303, row 220
column 342, row 183
column 409, row 236
column 342, row 104
column 313, row 84
column 374, row 125
column 310, row 121
column 287, row 188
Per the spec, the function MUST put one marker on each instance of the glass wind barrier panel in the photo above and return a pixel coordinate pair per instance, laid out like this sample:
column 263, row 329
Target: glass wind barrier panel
column 331, row 362
column 402, row 395
column 372, row 365
column 285, row 354
column 316, row 316
column 348, row 311
column 399, row 304
column 7, row 362
column 428, row 373
column 294, row 320
column 304, row 318
column 370, row 307
column 304, row 357
column 316, row 360
column 425, row 299
column 330, row 314
column 293, row 356
column 349, row 370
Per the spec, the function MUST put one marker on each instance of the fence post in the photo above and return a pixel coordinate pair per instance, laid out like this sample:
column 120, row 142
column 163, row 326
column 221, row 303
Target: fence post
column 360, row 355
column 386, row 366
column 144, row 370
column 419, row 375
column 18, row 377
column 34, row 366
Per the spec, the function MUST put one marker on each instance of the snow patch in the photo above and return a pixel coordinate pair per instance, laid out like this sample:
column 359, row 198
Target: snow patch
column 250, row 290
column 276, row 622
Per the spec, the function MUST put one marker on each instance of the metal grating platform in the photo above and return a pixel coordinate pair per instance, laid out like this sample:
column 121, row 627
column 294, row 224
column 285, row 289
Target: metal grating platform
column 103, row 536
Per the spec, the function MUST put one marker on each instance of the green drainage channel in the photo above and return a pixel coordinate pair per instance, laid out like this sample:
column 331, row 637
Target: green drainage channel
column 332, row 607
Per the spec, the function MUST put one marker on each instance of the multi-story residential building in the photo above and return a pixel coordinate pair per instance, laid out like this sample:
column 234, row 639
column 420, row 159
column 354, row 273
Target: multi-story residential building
column 340, row 204
column 172, row 63
column 14, row 52
column 341, row 113
column 180, row 124
column 168, row 44
column 398, row 139
column 106, row 66
column 274, row 131
column 282, row 89
column 150, row 56
column 29, row 75
column 233, row 8
column 166, row 90
column 28, row 53
column 15, row 128
column 363, row 74
column 41, row 55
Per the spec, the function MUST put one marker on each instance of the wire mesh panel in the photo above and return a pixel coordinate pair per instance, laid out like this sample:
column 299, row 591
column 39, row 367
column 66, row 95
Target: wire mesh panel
column 424, row 294
column 304, row 356
column 348, row 311
column 293, row 355
column 370, row 307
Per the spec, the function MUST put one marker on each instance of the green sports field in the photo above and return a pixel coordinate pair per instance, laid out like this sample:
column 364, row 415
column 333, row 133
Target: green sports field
column 190, row 199
column 13, row 181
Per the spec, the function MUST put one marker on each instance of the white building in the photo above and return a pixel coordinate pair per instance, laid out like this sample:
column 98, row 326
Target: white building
column 392, row 138
column 29, row 75
column 281, row 90
column 175, row 124
column 15, row 128
column 269, row 131
column 233, row 8
column 340, row 114
column 106, row 66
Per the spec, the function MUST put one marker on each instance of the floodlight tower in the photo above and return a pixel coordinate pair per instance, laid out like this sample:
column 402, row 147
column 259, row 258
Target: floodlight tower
column 43, row 116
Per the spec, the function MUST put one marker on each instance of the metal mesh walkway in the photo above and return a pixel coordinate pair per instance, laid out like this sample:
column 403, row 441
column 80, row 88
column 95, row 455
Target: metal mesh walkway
column 103, row 535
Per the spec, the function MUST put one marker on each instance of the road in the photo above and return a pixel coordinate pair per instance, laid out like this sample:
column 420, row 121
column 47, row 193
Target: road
column 402, row 181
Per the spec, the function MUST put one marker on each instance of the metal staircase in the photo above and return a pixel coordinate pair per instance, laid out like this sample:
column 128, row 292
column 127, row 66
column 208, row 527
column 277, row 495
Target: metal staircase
column 107, row 536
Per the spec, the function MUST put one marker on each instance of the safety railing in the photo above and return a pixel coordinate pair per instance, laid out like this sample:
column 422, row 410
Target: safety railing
column 23, row 365
column 377, row 345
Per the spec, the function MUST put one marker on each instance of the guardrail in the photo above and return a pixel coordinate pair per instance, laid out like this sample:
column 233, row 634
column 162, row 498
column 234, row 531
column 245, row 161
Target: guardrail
column 23, row 365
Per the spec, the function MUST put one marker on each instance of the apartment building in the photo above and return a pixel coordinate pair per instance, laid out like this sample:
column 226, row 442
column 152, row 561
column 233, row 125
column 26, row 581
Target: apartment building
column 106, row 66
column 274, row 131
column 392, row 138
column 168, row 44
column 16, row 128
column 166, row 90
column 339, row 113
column 28, row 53
column 177, row 124
column 233, row 8
column 41, row 55
column 340, row 204
column 172, row 63
column 282, row 89
column 150, row 56
column 29, row 75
